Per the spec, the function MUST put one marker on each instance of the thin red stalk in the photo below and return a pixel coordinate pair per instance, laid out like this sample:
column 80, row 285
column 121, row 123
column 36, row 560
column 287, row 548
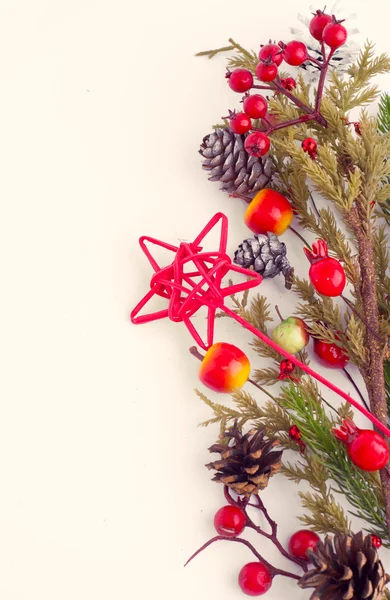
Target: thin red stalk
column 381, row 426
column 273, row 570
column 324, row 71
column 274, row 527
column 279, row 87
column 315, row 61
column 263, row 87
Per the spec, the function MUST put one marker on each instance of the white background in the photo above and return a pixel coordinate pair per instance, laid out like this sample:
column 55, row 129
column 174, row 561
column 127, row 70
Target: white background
column 103, row 492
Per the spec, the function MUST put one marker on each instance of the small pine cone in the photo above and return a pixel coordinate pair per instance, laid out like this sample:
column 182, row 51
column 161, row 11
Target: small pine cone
column 227, row 161
column 347, row 568
column 247, row 461
column 267, row 255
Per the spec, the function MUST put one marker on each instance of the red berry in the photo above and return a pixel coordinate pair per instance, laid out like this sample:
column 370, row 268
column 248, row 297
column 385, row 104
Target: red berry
column 240, row 123
column 301, row 542
column 255, row 579
column 229, row 521
column 257, row 143
column 318, row 24
column 326, row 274
column 366, row 448
column 255, row 106
column 309, row 145
column 335, row 35
column 266, row 72
column 273, row 51
column 376, row 541
column 289, row 83
column 330, row 354
column 295, row 53
column 240, row 80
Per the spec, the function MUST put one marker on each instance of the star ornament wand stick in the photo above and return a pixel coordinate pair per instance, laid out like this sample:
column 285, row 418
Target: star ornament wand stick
column 194, row 279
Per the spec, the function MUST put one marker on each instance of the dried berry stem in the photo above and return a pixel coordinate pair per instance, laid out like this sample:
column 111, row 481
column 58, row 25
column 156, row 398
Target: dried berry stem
column 273, row 537
column 324, row 71
column 273, row 570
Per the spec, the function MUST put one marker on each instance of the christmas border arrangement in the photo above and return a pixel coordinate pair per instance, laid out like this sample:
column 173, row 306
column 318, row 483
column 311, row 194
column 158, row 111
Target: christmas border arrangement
column 291, row 143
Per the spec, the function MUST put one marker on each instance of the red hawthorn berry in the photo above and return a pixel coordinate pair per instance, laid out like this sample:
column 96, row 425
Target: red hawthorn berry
column 240, row 80
column 240, row 123
column 257, row 143
column 266, row 71
column 318, row 24
column 295, row 53
column 255, row 106
column 273, row 51
column 335, row 34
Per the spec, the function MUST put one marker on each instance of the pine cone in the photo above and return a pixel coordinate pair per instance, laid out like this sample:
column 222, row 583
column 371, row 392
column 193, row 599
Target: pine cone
column 228, row 162
column 267, row 255
column 247, row 461
column 346, row 569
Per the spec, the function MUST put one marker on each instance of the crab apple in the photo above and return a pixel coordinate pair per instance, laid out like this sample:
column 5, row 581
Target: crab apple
column 240, row 80
column 291, row 335
column 266, row 71
column 271, row 51
column 240, row 123
column 230, row 521
column 257, row 143
column 301, row 542
column 224, row 368
column 318, row 24
column 255, row 579
column 330, row 354
column 295, row 53
column 255, row 106
column 270, row 212
column 335, row 35
column 326, row 274
column 366, row 448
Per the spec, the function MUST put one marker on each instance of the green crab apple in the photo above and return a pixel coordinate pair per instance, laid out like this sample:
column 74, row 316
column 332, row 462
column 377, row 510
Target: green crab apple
column 291, row 335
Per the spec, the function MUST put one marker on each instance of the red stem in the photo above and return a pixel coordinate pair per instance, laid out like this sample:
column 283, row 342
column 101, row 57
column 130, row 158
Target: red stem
column 324, row 71
column 273, row 570
column 242, row 504
column 306, row 369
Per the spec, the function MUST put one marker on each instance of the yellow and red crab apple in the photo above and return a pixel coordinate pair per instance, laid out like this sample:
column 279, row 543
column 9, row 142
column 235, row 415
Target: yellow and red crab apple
column 269, row 211
column 224, row 368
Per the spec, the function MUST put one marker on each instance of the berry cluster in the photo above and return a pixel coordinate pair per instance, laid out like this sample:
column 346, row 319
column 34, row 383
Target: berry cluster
column 325, row 29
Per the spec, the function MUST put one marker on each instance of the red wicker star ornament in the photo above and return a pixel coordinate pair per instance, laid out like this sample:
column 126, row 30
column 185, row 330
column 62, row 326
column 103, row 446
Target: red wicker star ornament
column 194, row 279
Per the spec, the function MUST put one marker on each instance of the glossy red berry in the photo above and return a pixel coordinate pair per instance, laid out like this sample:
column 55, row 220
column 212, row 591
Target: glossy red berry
column 301, row 542
column 240, row 80
column 273, row 51
column 318, row 24
column 335, row 35
column 309, row 145
column 295, row 53
column 240, row 123
column 255, row 106
column 289, row 83
column 376, row 541
column 366, row 448
column 326, row 274
column 330, row 355
column 255, row 579
column 229, row 521
column 266, row 71
column 257, row 143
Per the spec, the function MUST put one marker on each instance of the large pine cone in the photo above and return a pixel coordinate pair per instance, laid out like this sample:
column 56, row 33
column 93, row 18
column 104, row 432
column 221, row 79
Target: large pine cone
column 346, row 569
column 227, row 161
column 247, row 461
column 267, row 255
